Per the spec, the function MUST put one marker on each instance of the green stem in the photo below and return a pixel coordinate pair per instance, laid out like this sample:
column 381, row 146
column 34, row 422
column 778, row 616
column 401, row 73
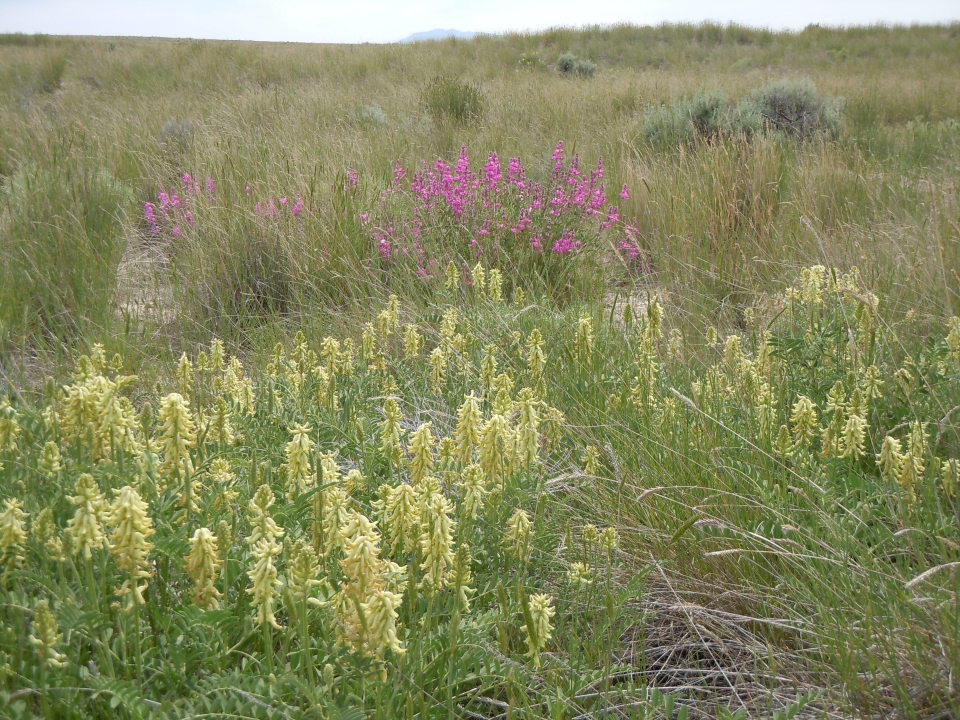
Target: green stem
column 136, row 633
column 305, row 640
column 267, row 645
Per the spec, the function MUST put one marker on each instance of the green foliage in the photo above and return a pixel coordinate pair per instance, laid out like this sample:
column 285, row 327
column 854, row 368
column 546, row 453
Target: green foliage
column 448, row 98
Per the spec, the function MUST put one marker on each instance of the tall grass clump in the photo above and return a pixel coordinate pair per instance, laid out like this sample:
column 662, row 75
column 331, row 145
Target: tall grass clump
column 62, row 240
column 448, row 98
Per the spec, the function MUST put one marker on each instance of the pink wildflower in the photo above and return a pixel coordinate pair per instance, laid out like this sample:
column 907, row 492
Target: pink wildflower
column 398, row 173
column 176, row 231
column 248, row 190
column 211, row 186
column 566, row 244
column 297, row 207
column 186, row 180
column 151, row 218
column 624, row 195
column 352, row 177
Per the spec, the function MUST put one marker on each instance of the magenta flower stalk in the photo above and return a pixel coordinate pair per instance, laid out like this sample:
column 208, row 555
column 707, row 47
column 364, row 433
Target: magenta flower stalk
column 211, row 186
column 624, row 195
column 151, row 218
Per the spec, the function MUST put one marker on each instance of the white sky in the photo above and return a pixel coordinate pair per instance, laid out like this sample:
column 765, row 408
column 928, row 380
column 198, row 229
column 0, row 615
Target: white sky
column 388, row 21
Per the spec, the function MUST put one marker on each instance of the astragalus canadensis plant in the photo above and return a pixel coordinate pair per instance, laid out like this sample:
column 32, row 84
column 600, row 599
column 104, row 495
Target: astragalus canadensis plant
column 351, row 528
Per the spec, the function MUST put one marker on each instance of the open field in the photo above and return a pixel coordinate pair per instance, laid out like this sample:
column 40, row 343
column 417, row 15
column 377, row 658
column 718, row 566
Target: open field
column 640, row 401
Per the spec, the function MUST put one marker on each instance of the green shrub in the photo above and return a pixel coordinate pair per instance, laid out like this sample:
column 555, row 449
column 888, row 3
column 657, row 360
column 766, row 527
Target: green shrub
column 450, row 98
column 796, row 108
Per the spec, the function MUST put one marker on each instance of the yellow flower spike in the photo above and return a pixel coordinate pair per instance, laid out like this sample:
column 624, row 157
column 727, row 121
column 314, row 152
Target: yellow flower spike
column 949, row 478
column 390, row 432
column 412, row 342
column 401, row 517
column 44, row 531
column 918, row 443
column 264, row 585
column 783, row 445
column 519, row 298
column 361, row 549
column 221, row 426
column 201, row 565
column 13, row 536
column 468, row 428
column 86, row 526
column 98, row 357
column 583, row 346
column 217, row 355
column 50, row 459
column 488, row 368
column 540, row 611
column 854, row 436
column 128, row 542
column 580, row 575
column 889, row 459
column 479, row 278
column 353, row 481
column 711, row 337
column 177, row 437
column 45, row 636
column 184, row 375
column 910, row 472
column 262, row 526
column 675, row 344
column 502, row 387
column 9, row 426
column 608, row 540
column 528, row 424
column 494, row 440
column 452, row 276
column 463, row 576
column 299, row 474
column 448, row 325
column 591, row 460
column 436, row 542
column 590, row 535
column 380, row 612
column 421, row 453
column 304, row 569
column 335, row 504
column 804, row 420
column 438, row 369
column 495, row 286
column 474, row 490
column 518, row 534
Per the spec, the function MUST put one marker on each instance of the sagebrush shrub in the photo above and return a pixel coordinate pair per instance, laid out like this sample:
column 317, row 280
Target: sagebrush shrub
column 796, row 108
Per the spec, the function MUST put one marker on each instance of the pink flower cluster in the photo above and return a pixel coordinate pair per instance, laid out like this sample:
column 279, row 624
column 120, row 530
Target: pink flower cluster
column 491, row 211
column 174, row 212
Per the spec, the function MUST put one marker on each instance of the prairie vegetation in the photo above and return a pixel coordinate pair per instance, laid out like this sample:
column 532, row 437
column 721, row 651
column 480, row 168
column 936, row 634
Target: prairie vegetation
column 610, row 372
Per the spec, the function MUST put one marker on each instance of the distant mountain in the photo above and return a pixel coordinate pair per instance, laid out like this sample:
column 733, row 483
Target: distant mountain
column 438, row 34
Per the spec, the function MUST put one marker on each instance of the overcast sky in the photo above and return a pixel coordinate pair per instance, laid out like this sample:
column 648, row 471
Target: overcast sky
column 352, row 21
